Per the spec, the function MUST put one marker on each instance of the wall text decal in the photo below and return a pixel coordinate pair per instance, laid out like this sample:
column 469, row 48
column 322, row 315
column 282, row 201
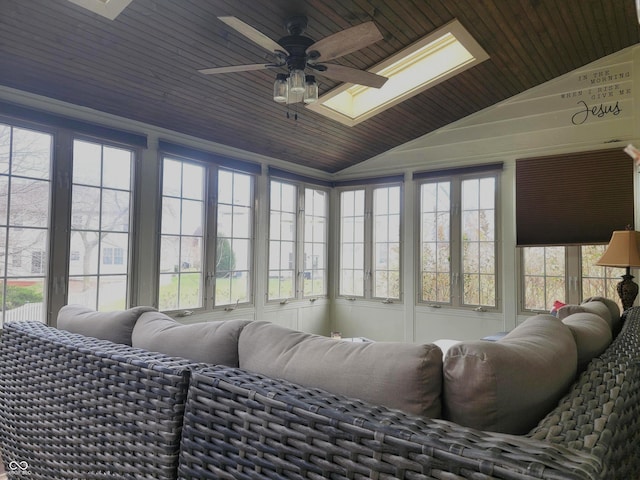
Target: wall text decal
column 599, row 93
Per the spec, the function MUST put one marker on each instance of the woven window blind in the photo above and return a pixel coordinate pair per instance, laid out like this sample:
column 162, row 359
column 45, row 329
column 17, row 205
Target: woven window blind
column 578, row 198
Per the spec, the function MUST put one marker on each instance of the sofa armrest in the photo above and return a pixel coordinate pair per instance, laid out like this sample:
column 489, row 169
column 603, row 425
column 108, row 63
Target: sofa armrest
column 79, row 407
column 245, row 425
column 599, row 415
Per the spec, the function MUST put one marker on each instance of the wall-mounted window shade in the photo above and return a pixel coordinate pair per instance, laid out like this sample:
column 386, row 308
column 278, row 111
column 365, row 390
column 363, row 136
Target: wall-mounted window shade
column 570, row 199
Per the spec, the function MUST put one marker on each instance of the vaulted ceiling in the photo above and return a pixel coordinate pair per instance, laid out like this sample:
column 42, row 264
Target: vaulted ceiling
column 143, row 65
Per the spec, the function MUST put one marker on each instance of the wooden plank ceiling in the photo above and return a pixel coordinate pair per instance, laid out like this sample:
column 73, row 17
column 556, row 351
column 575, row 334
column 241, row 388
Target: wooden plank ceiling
column 143, row 65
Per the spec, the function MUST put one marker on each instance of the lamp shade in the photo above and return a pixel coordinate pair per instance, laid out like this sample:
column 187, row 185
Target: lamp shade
column 622, row 250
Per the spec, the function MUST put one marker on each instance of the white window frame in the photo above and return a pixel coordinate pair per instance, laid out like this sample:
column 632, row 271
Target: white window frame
column 209, row 237
column 369, row 267
column 573, row 279
column 456, row 268
column 230, row 305
column 297, row 260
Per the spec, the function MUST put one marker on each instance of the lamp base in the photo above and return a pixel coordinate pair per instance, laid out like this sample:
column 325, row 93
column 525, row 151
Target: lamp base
column 628, row 291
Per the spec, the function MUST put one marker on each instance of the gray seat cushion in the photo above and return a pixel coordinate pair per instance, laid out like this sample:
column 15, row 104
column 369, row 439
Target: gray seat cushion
column 396, row 375
column 114, row 326
column 210, row 342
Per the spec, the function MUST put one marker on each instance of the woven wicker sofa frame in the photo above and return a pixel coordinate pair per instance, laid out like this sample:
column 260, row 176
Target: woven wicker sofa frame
column 247, row 426
column 74, row 407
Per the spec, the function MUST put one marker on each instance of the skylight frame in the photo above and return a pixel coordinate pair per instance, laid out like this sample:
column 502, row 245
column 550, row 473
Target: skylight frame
column 346, row 95
column 106, row 8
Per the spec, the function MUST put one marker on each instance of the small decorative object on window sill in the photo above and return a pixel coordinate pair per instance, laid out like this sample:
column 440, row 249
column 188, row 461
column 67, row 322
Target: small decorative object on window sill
column 622, row 251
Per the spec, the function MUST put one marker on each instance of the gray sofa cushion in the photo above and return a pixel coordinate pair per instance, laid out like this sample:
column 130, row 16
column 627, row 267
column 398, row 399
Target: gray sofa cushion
column 210, row 342
column 591, row 333
column 599, row 308
column 113, row 326
column 397, row 375
column 614, row 311
column 509, row 385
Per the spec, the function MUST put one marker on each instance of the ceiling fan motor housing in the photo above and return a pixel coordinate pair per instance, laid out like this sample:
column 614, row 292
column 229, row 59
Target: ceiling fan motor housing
column 295, row 43
column 297, row 46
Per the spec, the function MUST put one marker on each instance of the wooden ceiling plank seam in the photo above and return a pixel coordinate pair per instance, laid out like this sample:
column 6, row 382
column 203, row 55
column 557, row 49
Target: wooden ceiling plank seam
column 489, row 42
column 536, row 41
column 530, row 73
column 608, row 32
column 584, row 11
column 228, row 128
column 571, row 53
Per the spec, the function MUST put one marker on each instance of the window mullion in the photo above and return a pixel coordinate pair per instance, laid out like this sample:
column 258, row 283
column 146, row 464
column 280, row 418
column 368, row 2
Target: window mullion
column 211, row 227
column 368, row 243
column 299, row 244
column 457, row 279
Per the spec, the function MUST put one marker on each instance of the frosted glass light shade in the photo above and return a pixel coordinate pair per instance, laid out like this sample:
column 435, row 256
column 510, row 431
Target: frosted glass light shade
column 280, row 88
column 296, row 81
column 310, row 89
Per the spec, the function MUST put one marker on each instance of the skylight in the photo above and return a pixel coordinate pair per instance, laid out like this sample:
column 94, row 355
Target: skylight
column 431, row 60
column 107, row 8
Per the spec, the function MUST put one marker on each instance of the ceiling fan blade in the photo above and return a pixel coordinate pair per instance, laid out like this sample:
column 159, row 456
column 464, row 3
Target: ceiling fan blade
column 352, row 75
column 237, row 68
column 346, row 41
column 253, row 34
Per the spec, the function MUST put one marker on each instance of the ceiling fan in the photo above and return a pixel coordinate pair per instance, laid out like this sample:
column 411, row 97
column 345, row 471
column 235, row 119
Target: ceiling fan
column 297, row 52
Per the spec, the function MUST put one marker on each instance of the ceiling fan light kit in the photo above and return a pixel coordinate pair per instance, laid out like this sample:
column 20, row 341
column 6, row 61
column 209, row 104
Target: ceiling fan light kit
column 296, row 53
column 281, row 88
column 310, row 89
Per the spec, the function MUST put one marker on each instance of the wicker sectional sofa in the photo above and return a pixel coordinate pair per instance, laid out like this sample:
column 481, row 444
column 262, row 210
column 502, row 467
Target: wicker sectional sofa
column 73, row 406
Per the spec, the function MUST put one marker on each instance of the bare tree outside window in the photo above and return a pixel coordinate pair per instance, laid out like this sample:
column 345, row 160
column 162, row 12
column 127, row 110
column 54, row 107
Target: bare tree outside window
column 181, row 240
column 100, row 218
column 25, row 197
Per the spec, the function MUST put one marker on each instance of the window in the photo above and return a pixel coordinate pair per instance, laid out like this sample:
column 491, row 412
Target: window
column 25, row 199
column 458, row 232
column 352, row 243
column 182, row 235
column 206, row 248
column 101, row 212
column 297, row 250
column 370, row 242
column 111, row 256
column 234, row 245
column 315, row 242
column 567, row 274
column 282, row 240
column 544, row 277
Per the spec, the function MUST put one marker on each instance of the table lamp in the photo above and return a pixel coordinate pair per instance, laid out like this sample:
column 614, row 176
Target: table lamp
column 622, row 251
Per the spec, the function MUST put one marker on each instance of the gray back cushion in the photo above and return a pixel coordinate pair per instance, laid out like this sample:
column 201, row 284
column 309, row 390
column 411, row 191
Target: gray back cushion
column 396, row 375
column 509, row 385
column 614, row 311
column 113, row 326
column 596, row 307
column 591, row 333
column 210, row 342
